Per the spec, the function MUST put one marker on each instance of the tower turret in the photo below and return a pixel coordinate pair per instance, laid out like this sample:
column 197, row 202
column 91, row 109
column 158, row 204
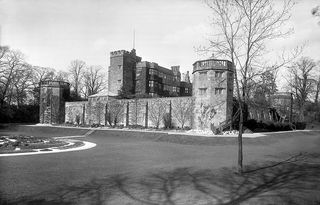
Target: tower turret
column 122, row 70
column 53, row 95
column 213, row 92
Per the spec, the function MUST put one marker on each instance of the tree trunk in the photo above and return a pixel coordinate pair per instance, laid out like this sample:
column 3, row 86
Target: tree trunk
column 240, row 152
column 317, row 92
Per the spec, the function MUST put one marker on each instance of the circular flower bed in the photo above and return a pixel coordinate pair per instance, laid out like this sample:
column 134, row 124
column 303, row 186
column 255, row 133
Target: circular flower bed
column 22, row 143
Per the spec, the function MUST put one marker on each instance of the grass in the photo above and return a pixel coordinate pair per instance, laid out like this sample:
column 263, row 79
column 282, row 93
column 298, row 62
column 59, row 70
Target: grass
column 154, row 168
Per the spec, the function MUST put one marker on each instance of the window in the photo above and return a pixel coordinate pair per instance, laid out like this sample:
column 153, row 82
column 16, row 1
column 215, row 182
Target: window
column 186, row 90
column 218, row 74
column 203, row 91
column 151, row 72
column 219, row 91
column 151, row 84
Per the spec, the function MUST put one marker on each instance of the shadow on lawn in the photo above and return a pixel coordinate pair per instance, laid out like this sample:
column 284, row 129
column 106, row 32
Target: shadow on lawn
column 287, row 183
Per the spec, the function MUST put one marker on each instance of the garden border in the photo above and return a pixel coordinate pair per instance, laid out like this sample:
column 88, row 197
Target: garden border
column 87, row 145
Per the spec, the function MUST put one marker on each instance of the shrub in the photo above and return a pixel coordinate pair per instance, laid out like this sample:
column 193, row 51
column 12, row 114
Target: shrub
column 186, row 128
column 78, row 119
column 95, row 125
column 167, row 121
column 251, row 124
column 300, row 125
column 267, row 126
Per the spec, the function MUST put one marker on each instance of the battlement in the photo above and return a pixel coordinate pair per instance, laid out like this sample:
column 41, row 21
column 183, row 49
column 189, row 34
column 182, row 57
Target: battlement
column 124, row 52
column 212, row 64
column 119, row 53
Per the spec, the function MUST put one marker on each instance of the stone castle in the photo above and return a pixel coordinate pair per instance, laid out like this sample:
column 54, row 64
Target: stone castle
column 143, row 78
column 159, row 93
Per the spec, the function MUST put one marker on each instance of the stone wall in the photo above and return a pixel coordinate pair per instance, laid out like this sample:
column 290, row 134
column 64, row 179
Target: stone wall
column 146, row 112
column 76, row 110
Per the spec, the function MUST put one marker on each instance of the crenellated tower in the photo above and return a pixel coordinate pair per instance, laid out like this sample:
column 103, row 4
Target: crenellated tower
column 122, row 71
column 213, row 92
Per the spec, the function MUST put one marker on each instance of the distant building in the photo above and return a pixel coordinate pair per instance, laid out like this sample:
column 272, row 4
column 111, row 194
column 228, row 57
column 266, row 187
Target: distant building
column 143, row 78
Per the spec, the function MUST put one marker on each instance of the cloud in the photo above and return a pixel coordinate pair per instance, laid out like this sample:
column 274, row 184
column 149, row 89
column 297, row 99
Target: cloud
column 186, row 35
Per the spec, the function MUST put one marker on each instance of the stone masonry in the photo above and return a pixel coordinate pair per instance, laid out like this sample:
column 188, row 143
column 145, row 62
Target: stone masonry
column 208, row 108
column 213, row 93
column 53, row 95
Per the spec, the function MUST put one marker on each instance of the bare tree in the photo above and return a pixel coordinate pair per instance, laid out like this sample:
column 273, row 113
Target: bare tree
column 22, row 84
column 243, row 29
column 182, row 110
column 76, row 70
column 42, row 73
column 316, row 12
column 11, row 63
column 94, row 80
column 115, row 112
column 317, row 83
column 302, row 82
column 264, row 88
column 61, row 76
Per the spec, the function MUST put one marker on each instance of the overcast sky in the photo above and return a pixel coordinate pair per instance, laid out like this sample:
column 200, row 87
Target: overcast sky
column 51, row 33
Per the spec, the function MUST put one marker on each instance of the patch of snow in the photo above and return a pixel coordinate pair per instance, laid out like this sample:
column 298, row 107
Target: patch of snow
column 232, row 132
column 39, row 124
column 200, row 132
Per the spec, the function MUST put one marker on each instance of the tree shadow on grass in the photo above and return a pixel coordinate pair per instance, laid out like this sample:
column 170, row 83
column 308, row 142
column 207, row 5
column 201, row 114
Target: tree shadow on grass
column 291, row 182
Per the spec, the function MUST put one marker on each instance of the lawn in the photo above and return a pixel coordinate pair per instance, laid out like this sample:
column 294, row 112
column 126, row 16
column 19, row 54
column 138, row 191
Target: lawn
column 157, row 168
